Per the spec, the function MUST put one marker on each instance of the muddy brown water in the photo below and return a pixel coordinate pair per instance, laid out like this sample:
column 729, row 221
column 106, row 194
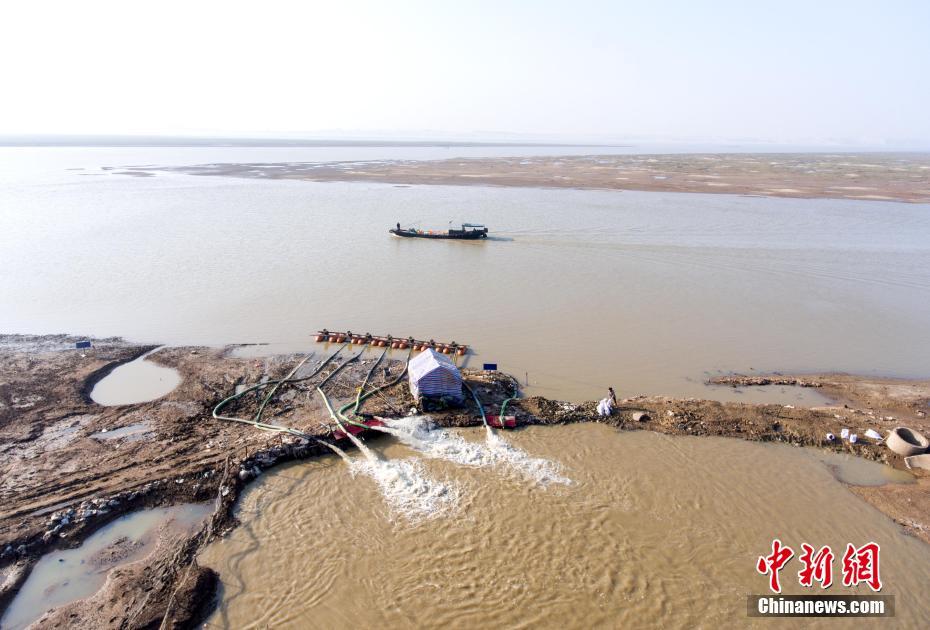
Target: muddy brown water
column 577, row 290
column 651, row 531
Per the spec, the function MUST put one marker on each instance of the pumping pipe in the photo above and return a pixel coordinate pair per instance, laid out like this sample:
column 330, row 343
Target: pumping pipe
column 362, row 397
column 358, row 396
column 273, row 427
column 484, row 418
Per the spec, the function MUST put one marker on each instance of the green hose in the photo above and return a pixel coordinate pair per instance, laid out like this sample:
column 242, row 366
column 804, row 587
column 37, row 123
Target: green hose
column 504, row 408
column 335, row 415
column 273, row 427
column 362, row 397
column 341, row 365
column 332, row 412
column 261, row 407
column 258, row 386
column 484, row 418
column 358, row 397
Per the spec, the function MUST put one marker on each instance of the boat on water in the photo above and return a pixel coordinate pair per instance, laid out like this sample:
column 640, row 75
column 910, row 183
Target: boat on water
column 468, row 232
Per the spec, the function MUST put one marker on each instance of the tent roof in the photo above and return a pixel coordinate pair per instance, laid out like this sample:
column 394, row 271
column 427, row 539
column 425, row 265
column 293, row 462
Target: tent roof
column 430, row 360
column 435, row 375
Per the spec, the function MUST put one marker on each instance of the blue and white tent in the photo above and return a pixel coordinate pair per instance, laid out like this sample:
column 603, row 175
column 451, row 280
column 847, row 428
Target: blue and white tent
column 434, row 375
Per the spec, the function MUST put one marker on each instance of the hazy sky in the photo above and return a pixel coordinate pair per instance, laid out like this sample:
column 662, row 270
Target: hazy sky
column 783, row 71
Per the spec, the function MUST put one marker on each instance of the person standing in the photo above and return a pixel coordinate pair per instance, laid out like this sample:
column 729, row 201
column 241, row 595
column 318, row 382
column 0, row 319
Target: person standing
column 611, row 396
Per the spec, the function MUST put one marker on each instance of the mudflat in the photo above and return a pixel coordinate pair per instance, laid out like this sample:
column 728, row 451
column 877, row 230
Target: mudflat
column 865, row 176
column 58, row 466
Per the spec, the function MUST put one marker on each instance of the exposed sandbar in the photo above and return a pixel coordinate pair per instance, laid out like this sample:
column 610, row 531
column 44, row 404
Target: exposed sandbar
column 865, row 176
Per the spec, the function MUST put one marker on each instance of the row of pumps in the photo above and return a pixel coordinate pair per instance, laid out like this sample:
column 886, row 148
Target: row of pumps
column 388, row 341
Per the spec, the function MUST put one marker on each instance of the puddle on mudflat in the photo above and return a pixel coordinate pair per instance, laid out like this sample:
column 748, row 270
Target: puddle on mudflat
column 652, row 530
column 861, row 472
column 135, row 382
column 65, row 576
column 769, row 395
column 132, row 432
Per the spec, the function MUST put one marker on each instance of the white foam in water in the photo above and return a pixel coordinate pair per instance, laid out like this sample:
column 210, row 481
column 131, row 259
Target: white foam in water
column 537, row 469
column 408, row 490
column 441, row 444
column 414, row 431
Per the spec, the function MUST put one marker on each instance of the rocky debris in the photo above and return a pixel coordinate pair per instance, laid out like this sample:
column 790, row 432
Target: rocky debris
column 25, row 401
column 69, row 526
column 741, row 380
column 544, row 411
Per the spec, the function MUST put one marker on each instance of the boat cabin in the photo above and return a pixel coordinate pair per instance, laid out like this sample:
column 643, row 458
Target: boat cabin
column 470, row 229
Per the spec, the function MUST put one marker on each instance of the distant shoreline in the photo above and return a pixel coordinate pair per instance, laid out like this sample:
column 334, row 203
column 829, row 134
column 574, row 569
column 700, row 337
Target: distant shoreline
column 245, row 142
column 641, row 146
column 900, row 177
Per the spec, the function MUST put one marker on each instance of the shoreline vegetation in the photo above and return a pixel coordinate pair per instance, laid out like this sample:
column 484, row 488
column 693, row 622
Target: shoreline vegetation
column 901, row 177
column 53, row 463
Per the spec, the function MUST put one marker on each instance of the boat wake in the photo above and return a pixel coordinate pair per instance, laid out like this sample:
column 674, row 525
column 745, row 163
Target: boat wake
column 418, row 433
column 408, row 490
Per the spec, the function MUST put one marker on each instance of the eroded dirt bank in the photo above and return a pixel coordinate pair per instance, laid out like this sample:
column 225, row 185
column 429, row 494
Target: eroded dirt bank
column 61, row 479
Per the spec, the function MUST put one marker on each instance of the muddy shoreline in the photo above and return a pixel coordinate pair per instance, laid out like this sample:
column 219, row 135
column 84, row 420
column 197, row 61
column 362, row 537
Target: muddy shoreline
column 903, row 177
column 52, row 466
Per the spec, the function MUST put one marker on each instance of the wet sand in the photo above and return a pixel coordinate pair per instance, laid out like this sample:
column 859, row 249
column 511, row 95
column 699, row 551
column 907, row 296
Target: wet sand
column 52, row 462
column 867, row 176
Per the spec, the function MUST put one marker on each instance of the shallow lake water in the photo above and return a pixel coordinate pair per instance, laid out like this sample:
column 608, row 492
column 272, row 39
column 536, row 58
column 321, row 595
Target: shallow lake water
column 578, row 290
column 570, row 526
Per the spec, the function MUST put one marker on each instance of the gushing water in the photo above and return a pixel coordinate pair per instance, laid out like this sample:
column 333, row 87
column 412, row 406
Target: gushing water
column 542, row 471
column 408, row 490
column 404, row 484
column 416, row 432
column 369, row 455
column 338, row 451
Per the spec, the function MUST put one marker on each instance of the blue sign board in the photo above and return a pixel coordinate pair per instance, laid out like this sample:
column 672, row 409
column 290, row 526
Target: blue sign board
column 490, row 366
column 82, row 344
